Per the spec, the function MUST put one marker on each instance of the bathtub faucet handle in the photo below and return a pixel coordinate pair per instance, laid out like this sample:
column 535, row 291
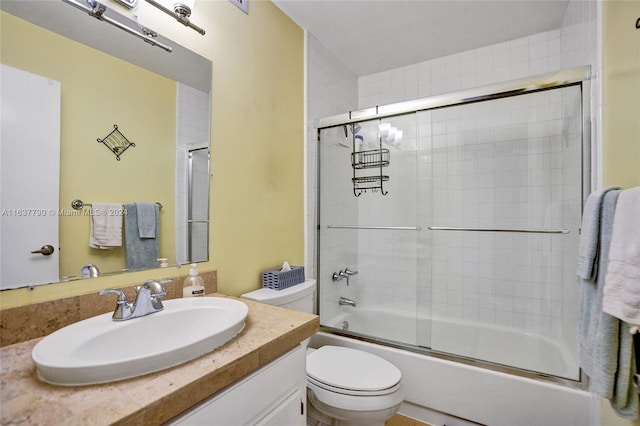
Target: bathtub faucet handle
column 349, row 272
column 346, row 274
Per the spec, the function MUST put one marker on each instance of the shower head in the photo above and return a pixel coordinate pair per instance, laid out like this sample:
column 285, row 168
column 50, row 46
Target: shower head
column 355, row 128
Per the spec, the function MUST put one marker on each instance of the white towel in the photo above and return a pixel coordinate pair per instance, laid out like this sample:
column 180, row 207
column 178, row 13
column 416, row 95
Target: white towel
column 106, row 226
column 622, row 282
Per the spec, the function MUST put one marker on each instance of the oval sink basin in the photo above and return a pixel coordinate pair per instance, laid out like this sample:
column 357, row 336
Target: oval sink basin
column 100, row 350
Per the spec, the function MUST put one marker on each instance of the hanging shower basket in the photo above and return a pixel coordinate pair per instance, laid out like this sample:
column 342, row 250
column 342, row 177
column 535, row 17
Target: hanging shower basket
column 368, row 160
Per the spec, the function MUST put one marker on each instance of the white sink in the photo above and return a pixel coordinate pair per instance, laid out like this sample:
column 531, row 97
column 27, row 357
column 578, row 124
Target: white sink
column 100, row 350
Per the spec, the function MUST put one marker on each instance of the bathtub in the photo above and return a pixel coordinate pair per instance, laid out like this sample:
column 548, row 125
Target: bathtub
column 495, row 344
column 441, row 391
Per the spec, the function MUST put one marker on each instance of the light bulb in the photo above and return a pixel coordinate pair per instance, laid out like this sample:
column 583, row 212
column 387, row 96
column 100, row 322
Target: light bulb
column 384, row 129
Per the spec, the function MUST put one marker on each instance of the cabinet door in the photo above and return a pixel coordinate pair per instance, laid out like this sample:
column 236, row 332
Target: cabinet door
column 273, row 395
column 290, row 412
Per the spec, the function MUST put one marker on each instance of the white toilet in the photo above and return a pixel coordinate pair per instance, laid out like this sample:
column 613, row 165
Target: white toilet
column 344, row 386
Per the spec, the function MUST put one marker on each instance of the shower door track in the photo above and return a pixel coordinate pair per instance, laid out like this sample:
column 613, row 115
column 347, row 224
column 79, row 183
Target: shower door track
column 548, row 81
column 581, row 384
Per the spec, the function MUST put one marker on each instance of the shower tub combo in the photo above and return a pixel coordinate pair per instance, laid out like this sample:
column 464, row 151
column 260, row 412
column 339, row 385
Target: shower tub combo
column 457, row 217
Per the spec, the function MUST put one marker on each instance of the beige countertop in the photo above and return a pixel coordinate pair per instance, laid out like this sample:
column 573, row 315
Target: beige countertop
column 154, row 398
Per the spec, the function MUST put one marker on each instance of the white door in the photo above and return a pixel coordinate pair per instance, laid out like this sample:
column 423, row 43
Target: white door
column 29, row 178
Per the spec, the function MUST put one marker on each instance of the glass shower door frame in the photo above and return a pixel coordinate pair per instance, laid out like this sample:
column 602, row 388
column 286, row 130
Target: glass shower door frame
column 573, row 77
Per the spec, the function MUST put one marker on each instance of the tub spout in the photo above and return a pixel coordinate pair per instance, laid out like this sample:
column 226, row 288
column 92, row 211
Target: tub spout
column 345, row 301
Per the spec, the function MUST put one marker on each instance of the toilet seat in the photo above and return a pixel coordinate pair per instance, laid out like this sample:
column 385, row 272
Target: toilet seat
column 352, row 372
column 352, row 392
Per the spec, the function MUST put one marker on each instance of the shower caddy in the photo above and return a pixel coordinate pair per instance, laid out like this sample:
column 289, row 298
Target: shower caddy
column 367, row 160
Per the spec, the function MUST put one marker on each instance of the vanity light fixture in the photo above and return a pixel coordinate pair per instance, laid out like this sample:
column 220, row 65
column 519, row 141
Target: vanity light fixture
column 181, row 12
column 98, row 10
column 128, row 3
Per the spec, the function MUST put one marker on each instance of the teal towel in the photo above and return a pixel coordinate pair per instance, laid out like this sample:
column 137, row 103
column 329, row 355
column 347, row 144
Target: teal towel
column 605, row 348
column 590, row 234
column 146, row 219
column 140, row 253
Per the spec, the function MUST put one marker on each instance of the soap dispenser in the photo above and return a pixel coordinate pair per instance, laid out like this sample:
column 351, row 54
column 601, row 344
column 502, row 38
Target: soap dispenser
column 193, row 284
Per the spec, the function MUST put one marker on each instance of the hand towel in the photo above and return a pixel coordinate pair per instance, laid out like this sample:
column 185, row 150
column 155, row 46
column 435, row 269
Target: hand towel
column 146, row 219
column 622, row 283
column 590, row 234
column 106, row 226
column 605, row 349
column 140, row 253
column 598, row 332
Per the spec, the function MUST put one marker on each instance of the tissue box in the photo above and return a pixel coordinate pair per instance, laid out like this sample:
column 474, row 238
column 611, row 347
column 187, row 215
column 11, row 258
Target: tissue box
column 277, row 280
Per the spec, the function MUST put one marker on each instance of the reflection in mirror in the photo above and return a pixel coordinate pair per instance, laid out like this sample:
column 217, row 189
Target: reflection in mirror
column 100, row 76
column 198, row 207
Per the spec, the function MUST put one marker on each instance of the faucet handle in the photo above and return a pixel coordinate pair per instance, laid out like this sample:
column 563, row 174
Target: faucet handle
column 155, row 287
column 123, row 307
column 122, row 298
column 349, row 272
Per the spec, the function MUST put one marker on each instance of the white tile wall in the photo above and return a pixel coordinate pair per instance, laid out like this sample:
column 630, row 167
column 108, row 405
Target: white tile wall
column 537, row 54
column 331, row 89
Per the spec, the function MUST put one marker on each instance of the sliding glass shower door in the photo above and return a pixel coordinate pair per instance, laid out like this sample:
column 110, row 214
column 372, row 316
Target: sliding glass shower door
column 505, row 217
column 460, row 234
column 367, row 231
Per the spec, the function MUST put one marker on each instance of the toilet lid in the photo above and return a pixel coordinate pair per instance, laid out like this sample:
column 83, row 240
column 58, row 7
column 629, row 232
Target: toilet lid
column 351, row 369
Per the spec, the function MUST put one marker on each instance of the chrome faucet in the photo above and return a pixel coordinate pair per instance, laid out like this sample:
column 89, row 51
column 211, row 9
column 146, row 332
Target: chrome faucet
column 339, row 276
column 90, row 271
column 345, row 301
column 148, row 300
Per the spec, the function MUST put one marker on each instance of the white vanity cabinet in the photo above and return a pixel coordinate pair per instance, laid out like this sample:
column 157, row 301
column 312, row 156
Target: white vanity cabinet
column 273, row 395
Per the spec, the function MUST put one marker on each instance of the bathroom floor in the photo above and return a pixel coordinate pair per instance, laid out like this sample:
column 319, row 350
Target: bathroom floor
column 400, row 420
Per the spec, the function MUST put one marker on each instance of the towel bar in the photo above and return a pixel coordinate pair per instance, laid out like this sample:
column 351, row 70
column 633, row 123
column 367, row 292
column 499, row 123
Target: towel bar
column 389, row 228
column 531, row 231
column 79, row 204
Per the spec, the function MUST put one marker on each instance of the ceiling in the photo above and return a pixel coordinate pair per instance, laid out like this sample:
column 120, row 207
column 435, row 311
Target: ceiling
column 370, row 36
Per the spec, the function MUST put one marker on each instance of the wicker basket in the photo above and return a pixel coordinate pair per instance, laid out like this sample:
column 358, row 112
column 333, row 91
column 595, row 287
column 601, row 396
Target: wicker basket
column 278, row 280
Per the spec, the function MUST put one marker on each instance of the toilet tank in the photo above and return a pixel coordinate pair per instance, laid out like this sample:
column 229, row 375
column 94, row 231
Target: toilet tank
column 300, row 297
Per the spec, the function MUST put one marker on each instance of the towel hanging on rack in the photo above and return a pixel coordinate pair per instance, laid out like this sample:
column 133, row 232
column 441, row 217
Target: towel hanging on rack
column 605, row 346
column 140, row 253
column 146, row 219
column 106, row 228
column 622, row 282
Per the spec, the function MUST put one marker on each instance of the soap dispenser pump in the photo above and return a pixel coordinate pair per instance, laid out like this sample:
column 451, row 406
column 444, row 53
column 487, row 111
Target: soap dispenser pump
column 193, row 284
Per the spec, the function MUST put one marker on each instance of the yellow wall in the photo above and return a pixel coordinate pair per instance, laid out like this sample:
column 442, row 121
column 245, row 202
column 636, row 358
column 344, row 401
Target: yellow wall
column 621, row 113
column 621, row 97
column 257, row 195
column 99, row 91
column 258, row 142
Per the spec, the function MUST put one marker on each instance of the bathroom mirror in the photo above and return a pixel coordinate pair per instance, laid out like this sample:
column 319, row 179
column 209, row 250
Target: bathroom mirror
column 159, row 100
